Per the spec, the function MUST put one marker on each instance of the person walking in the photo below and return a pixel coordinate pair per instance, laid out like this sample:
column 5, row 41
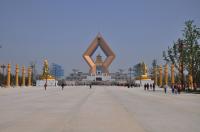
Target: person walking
column 90, row 86
column 147, row 86
column 165, row 89
column 175, row 89
column 45, row 86
column 179, row 89
column 172, row 87
column 151, row 86
column 62, row 85
column 154, row 86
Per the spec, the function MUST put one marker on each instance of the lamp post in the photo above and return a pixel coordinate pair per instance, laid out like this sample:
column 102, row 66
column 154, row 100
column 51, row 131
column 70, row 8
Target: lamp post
column 8, row 75
column 3, row 67
column 155, row 75
column 140, row 73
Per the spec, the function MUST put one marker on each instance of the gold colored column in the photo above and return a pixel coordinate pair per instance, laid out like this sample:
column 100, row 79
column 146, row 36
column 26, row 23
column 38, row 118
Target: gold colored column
column 8, row 75
column 190, row 82
column 29, row 76
column 166, row 74
column 160, row 76
column 172, row 74
column 190, row 78
column 155, row 76
column 23, row 76
column 17, row 75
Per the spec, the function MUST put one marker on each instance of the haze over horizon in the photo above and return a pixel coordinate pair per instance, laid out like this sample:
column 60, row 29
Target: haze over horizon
column 61, row 30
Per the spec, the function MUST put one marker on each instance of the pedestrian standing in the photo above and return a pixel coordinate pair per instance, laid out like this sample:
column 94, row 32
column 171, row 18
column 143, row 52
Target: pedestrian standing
column 179, row 89
column 145, row 86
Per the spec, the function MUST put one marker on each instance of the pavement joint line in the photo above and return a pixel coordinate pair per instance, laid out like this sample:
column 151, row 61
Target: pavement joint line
column 11, row 123
column 77, row 109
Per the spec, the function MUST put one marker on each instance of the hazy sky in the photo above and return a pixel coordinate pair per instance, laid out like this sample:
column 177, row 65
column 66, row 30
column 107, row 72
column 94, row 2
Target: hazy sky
column 61, row 30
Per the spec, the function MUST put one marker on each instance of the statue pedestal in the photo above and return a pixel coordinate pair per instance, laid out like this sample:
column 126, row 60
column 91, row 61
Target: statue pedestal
column 144, row 79
column 49, row 82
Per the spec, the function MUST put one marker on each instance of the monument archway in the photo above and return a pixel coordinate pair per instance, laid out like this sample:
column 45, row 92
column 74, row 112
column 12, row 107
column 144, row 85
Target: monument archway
column 110, row 56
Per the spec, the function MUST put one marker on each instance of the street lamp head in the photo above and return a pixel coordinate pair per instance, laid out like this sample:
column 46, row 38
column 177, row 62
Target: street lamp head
column 3, row 66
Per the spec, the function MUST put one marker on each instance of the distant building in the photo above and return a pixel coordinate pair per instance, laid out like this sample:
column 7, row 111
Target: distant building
column 118, row 77
column 77, row 76
column 57, row 71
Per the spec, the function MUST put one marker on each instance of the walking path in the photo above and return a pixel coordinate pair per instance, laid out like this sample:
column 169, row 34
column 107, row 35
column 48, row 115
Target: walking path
column 100, row 109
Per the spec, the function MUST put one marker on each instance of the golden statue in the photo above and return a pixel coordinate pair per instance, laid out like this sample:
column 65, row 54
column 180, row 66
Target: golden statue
column 46, row 67
column 144, row 72
column 144, row 69
column 46, row 75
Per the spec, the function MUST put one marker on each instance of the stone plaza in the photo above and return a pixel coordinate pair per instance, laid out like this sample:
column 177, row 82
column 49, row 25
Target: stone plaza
column 100, row 109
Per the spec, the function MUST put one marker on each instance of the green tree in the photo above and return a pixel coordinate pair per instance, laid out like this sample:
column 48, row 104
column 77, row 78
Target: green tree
column 186, row 51
column 152, row 69
column 191, row 35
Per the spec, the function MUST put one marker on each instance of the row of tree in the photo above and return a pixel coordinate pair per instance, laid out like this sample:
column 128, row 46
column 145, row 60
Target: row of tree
column 185, row 53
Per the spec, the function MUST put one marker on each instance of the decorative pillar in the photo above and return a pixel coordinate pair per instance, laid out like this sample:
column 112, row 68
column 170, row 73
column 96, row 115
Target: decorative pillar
column 172, row 74
column 23, row 76
column 29, row 76
column 8, row 75
column 17, row 75
column 190, row 82
column 166, row 74
column 160, row 76
column 190, row 78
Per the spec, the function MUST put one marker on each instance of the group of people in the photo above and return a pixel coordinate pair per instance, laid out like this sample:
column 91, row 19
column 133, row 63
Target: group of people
column 148, row 86
column 62, row 86
column 176, row 89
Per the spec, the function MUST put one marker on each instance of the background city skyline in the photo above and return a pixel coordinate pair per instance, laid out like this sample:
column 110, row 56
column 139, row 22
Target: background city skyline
column 60, row 31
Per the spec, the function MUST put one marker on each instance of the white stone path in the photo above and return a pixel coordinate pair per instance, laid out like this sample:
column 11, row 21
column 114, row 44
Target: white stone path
column 100, row 109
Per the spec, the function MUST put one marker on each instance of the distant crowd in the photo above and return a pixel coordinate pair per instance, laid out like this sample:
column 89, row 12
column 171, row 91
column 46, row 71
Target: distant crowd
column 175, row 89
column 148, row 86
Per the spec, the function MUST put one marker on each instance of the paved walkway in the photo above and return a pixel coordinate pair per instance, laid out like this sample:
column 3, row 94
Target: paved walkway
column 100, row 109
